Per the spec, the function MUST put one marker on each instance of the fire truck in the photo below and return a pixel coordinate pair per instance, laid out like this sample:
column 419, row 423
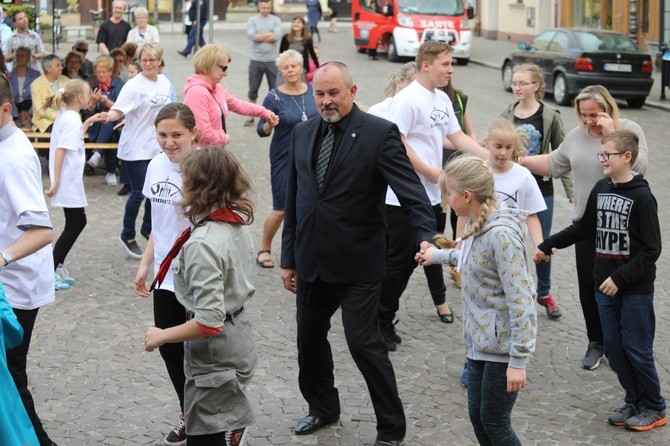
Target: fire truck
column 398, row 27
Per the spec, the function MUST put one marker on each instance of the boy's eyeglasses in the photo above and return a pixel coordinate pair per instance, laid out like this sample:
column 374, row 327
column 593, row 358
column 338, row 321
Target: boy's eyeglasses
column 605, row 156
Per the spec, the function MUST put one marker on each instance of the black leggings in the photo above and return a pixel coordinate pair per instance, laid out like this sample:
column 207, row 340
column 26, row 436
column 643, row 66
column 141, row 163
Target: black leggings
column 75, row 222
column 168, row 312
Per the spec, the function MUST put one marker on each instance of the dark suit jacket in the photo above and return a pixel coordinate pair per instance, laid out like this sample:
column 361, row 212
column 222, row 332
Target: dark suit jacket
column 338, row 234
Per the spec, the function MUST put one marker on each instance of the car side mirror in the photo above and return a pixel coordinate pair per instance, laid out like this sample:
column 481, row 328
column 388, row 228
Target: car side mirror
column 471, row 12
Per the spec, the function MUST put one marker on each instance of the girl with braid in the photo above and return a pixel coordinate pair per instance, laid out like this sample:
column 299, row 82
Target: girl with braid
column 499, row 314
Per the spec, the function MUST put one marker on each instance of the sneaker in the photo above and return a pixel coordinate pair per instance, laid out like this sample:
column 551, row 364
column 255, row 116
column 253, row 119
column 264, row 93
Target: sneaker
column 464, row 376
column 594, row 353
column 64, row 276
column 110, row 179
column 387, row 334
column 59, row 284
column 132, row 248
column 553, row 312
column 94, row 160
column 646, row 419
column 620, row 415
column 249, row 122
column 125, row 190
column 236, row 437
column 177, row 436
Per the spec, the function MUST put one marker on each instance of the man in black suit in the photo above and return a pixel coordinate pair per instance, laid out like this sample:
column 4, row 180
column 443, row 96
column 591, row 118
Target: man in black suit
column 334, row 246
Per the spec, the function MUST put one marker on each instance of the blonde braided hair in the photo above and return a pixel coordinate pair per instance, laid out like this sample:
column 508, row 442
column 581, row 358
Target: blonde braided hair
column 467, row 173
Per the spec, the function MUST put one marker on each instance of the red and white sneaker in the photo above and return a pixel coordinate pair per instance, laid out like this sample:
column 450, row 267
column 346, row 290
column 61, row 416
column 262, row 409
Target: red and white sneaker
column 236, row 437
column 553, row 312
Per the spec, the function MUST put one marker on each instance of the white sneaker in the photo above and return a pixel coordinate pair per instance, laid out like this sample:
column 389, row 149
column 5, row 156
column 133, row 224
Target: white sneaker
column 110, row 179
column 94, row 160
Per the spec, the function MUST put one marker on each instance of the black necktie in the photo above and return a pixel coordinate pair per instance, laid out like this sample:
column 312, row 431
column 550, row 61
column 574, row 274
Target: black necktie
column 324, row 156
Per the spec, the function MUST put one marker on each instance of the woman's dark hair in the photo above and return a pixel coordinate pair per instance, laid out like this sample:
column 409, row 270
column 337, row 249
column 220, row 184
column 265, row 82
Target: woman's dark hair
column 182, row 113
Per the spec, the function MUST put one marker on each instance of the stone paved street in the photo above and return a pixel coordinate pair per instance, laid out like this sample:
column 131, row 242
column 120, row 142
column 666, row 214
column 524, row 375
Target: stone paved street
column 94, row 385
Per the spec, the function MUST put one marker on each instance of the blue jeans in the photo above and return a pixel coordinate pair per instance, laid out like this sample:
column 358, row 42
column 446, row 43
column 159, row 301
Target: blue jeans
column 190, row 43
column 543, row 269
column 489, row 404
column 136, row 171
column 628, row 325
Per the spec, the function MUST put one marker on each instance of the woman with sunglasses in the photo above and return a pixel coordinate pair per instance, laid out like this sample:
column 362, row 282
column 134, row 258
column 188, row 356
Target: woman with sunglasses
column 598, row 115
column 210, row 102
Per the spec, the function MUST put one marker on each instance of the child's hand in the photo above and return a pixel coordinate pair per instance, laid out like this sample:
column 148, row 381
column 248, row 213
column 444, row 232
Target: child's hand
column 274, row 120
column 539, row 256
column 52, row 190
column 516, row 379
column 152, row 339
column 425, row 255
column 608, row 287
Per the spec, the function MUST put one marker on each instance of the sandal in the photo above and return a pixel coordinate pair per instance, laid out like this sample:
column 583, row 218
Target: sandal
column 267, row 263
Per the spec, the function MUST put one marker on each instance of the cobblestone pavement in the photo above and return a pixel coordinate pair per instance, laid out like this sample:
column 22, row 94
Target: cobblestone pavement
column 94, row 384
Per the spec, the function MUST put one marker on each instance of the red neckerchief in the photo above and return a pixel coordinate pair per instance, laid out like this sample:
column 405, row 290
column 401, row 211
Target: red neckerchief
column 105, row 87
column 224, row 214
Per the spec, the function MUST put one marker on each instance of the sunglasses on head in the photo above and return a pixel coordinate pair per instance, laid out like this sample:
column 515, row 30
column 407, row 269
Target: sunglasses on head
column 82, row 50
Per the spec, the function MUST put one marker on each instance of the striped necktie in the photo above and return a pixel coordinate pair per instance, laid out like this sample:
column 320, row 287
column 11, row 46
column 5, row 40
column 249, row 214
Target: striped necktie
column 324, row 156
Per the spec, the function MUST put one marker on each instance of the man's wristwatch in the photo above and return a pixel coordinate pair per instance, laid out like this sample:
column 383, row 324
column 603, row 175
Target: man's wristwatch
column 7, row 257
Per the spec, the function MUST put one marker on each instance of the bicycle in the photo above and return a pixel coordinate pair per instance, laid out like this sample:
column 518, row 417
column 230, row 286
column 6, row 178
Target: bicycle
column 57, row 28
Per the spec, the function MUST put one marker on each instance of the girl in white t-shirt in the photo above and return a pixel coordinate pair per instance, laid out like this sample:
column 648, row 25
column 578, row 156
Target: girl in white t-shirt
column 177, row 137
column 514, row 184
column 66, row 168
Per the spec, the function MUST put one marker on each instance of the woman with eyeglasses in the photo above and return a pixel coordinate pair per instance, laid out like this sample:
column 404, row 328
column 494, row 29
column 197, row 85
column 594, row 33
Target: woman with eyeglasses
column 544, row 126
column 598, row 115
column 210, row 102
column 140, row 100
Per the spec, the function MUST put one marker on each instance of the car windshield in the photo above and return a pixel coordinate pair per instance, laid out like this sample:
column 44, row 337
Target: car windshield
column 606, row 42
column 431, row 7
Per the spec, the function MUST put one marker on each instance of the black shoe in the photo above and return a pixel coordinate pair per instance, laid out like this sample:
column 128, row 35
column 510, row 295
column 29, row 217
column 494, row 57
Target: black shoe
column 249, row 122
column 132, row 249
column 125, row 190
column 388, row 443
column 145, row 235
column 312, row 423
column 388, row 333
column 446, row 318
column 183, row 53
column 89, row 171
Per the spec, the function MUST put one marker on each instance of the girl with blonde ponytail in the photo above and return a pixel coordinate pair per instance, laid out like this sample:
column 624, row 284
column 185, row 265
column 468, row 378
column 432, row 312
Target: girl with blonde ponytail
column 499, row 317
column 66, row 168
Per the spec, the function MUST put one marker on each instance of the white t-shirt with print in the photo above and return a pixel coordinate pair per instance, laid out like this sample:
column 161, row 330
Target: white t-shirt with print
column 67, row 134
column 29, row 282
column 425, row 118
column 140, row 100
column 518, row 189
column 162, row 186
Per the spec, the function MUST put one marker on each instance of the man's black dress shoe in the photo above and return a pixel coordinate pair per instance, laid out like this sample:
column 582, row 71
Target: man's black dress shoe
column 312, row 423
column 388, row 443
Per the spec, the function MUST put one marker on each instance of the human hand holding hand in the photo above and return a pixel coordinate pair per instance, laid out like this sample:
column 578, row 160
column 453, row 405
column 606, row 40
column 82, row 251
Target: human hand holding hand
column 274, row 120
column 539, row 256
column 516, row 379
column 425, row 255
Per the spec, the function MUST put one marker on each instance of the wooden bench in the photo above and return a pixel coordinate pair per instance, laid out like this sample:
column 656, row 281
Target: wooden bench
column 41, row 141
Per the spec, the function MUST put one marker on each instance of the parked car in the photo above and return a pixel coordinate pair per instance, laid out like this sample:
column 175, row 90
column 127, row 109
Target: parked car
column 574, row 58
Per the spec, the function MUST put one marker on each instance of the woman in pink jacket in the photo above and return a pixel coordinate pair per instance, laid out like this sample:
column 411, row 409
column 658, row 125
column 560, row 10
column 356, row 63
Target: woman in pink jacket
column 211, row 102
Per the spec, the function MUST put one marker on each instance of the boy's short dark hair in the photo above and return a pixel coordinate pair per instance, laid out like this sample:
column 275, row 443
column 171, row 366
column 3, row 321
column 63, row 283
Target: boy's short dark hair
column 624, row 141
